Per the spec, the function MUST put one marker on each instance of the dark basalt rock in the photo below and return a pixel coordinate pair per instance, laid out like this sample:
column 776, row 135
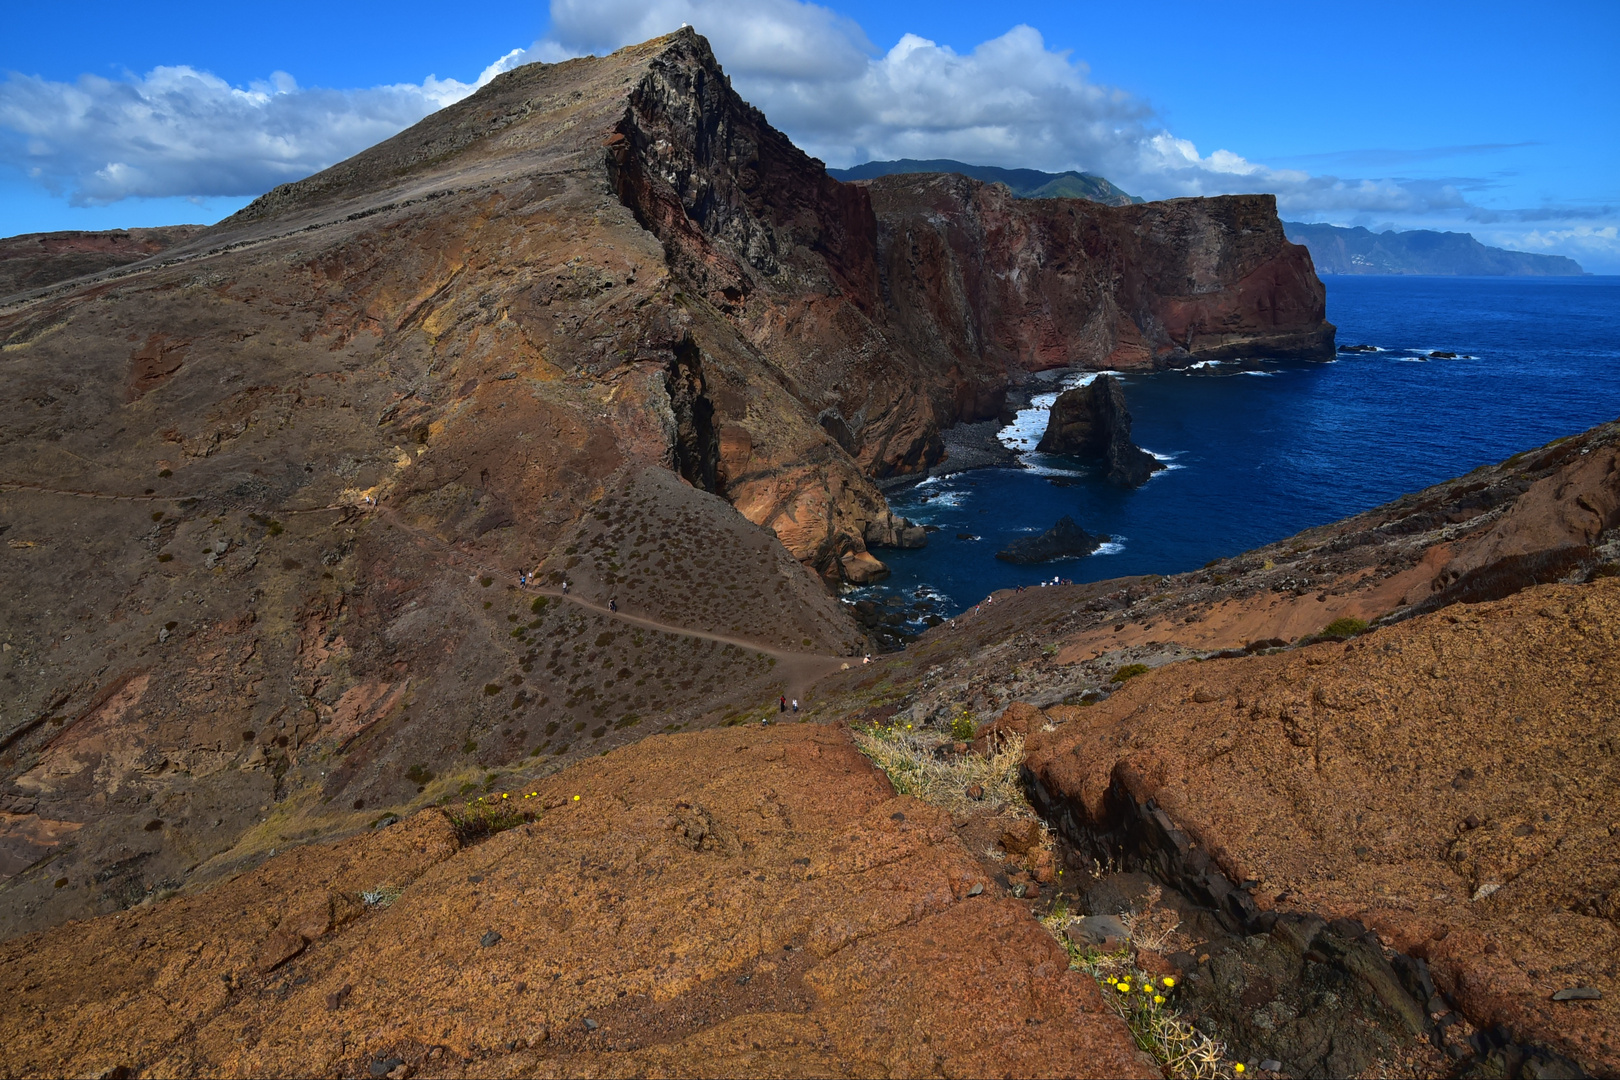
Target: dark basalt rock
column 1065, row 540
column 1091, row 423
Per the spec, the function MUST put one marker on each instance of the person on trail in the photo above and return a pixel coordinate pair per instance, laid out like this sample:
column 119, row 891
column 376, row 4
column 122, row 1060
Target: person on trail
column 795, row 704
column 782, row 704
column 565, row 586
column 613, row 605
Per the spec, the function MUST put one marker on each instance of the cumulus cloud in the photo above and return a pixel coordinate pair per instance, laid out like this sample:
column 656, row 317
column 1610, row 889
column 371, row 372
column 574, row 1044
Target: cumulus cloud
column 181, row 131
column 1011, row 101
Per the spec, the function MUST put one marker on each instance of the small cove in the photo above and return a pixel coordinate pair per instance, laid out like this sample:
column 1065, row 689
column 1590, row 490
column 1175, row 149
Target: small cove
column 1258, row 454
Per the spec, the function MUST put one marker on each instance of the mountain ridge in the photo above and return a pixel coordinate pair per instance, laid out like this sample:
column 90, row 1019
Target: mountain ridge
column 1025, row 183
column 1339, row 250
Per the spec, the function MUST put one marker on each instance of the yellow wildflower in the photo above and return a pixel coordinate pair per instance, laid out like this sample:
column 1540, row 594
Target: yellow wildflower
column 1158, row 999
column 1169, row 982
column 1237, row 1067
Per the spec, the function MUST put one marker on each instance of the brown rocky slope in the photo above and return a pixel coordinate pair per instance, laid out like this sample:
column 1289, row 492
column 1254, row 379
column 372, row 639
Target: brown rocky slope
column 269, row 491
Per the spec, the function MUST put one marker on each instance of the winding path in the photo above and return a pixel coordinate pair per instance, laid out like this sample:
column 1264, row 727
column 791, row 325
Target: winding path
column 798, row 670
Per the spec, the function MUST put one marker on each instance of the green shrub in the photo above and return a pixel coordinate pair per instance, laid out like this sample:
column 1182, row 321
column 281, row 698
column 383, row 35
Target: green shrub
column 1345, row 628
column 419, row 774
column 1129, row 671
column 539, row 605
column 962, row 727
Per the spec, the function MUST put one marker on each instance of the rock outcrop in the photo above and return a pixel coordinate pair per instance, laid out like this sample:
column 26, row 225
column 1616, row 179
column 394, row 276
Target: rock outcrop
column 1446, row 782
column 1091, row 423
column 1065, row 540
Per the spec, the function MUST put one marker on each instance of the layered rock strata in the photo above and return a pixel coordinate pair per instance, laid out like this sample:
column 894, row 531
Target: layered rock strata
column 1091, row 423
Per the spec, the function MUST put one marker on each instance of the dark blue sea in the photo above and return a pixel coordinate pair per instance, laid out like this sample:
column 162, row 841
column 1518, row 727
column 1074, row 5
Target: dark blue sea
column 1255, row 456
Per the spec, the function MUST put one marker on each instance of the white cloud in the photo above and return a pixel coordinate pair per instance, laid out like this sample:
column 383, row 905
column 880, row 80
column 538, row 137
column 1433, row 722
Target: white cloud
column 181, row 131
column 1011, row 101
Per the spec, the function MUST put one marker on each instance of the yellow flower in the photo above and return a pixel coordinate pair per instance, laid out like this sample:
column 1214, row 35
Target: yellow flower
column 576, row 798
column 1237, row 1067
column 1169, row 982
column 1158, row 999
column 505, row 795
column 1124, row 988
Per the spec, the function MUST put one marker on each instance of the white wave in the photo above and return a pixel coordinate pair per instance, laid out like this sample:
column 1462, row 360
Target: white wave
column 1111, row 547
column 1028, row 425
column 945, row 498
column 1203, row 364
column 1039, row 469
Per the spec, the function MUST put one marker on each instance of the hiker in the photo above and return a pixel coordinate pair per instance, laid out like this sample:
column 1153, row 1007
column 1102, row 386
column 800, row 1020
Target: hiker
column 795, row 704
column 782, row 705
column 565, row 586
column 613, row 605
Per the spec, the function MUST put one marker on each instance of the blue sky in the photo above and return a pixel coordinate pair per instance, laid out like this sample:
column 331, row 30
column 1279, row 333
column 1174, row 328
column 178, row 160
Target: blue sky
column 1498, row 120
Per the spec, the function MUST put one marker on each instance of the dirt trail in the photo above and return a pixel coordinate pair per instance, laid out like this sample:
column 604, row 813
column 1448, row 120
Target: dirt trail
column 797, row 670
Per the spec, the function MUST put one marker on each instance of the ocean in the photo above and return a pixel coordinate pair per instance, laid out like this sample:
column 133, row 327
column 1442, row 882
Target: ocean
column 1259, row 452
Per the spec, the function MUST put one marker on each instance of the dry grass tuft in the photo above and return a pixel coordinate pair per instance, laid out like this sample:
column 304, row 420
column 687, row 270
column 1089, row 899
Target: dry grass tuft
column 914, row 769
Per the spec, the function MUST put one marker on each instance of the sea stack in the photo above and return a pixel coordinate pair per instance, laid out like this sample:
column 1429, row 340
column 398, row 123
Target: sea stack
column 1091, row 423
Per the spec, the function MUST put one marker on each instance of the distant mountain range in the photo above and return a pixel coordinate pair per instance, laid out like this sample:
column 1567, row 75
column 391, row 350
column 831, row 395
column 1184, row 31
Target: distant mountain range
column 1025, row 183
column 1337, row 250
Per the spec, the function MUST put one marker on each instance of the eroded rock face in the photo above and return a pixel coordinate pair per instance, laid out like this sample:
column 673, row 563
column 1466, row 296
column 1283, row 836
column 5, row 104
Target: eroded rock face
column 748, row 902
column 1091, row 423
column 1005, row 284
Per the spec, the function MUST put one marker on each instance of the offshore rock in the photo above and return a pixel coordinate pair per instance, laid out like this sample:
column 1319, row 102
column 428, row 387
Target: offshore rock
column 1065, row 540
column 1091, row 423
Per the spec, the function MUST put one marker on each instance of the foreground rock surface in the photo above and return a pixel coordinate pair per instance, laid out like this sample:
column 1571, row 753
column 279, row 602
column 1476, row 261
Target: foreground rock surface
column 744, row 902
column 1091, row 423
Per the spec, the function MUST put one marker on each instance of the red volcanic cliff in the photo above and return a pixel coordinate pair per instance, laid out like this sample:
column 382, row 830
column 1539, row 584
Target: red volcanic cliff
column 994, row 284
column 896, row 307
